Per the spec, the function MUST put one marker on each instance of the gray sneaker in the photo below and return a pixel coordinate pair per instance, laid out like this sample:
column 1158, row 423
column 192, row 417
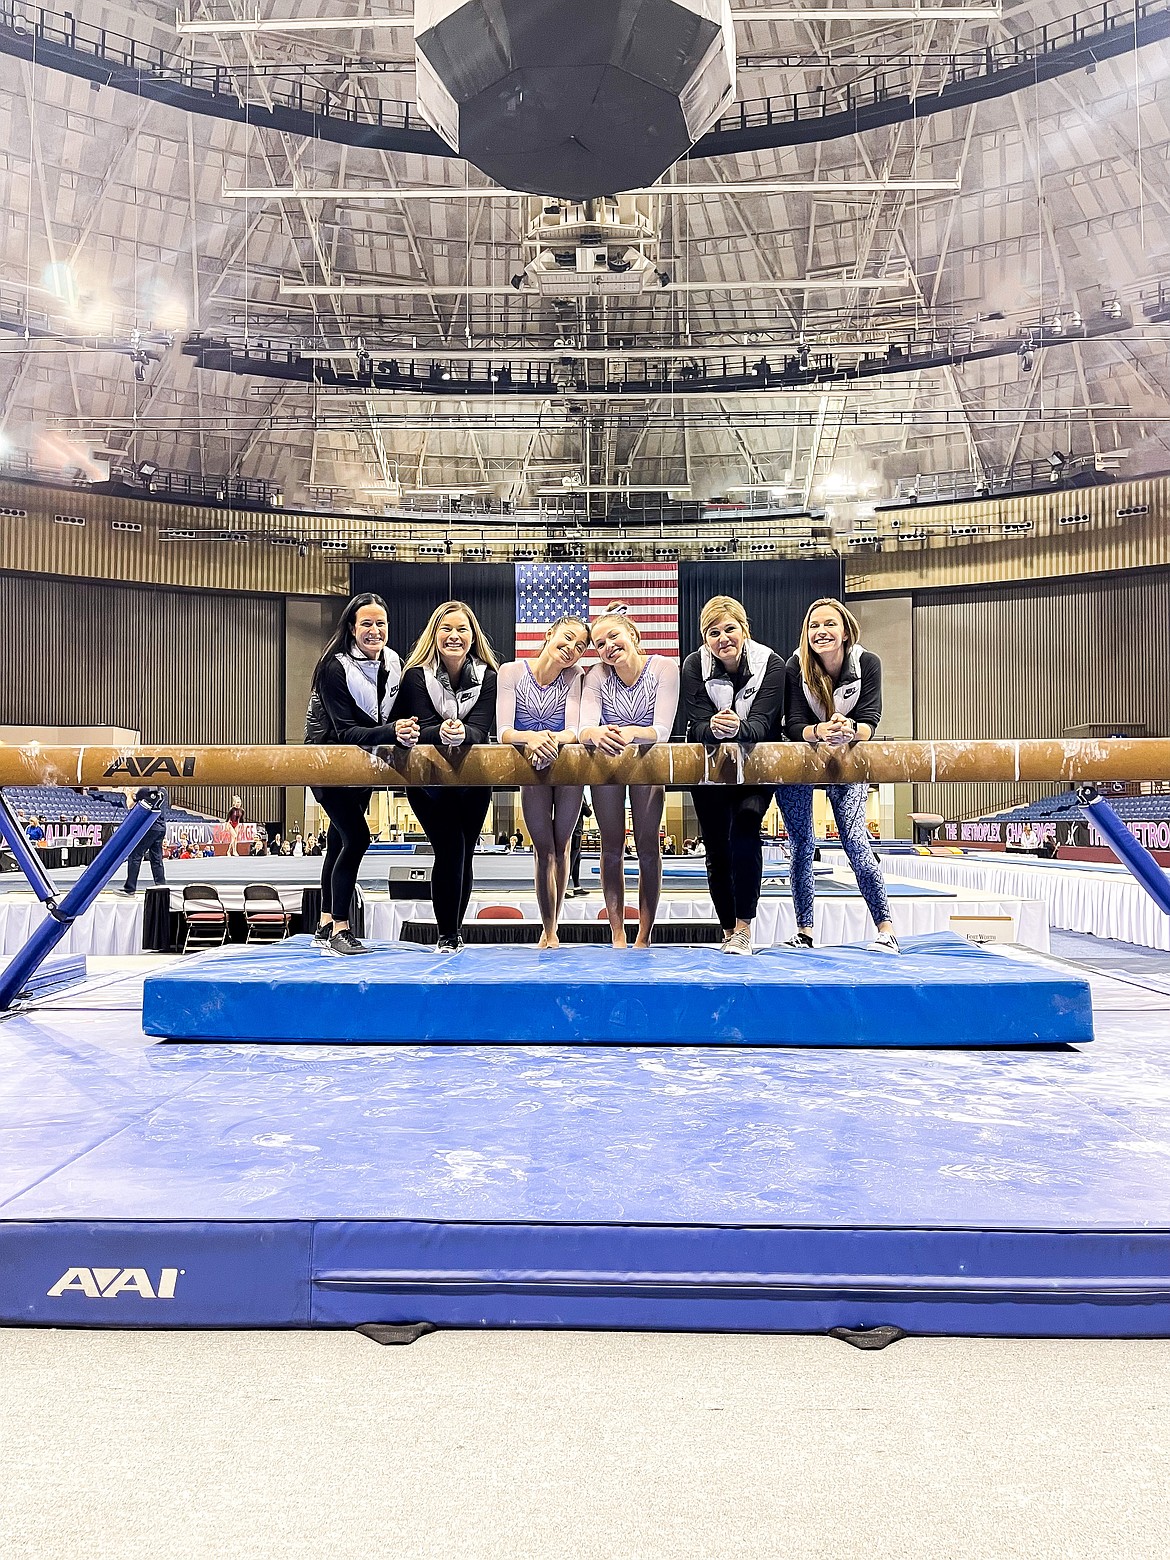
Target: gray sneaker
column 322, row 937
column 345, row 943
column 737, row 942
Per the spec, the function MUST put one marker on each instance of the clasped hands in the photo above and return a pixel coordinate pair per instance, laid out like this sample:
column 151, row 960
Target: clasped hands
column 839, row 731
column 614, row 740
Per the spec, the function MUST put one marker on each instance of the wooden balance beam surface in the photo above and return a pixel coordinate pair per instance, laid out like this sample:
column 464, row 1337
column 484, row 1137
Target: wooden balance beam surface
column 1068, row 761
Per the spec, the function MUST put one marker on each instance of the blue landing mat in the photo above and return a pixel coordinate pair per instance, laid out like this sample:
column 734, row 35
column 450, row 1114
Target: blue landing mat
column 942, row 991
column 1003, row 1192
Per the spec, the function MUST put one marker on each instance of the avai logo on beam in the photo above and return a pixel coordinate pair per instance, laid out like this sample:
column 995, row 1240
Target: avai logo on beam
column 146, row 766
column 107, row 1283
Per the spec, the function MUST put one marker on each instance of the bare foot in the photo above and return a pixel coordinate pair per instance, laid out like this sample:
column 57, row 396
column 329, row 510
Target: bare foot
column 548, row 940
column 619, row 940
column 641, row 942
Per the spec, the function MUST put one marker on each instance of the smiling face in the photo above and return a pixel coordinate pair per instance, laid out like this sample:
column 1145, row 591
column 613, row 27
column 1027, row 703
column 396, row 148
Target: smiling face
column 725, row 640
column 826, row 632
column 453, row 635
column 371, row 630
column 567, row 643
column 613, row 640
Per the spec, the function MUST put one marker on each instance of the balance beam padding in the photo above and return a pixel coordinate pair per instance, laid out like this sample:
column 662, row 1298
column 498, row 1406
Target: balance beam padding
column 941, row 991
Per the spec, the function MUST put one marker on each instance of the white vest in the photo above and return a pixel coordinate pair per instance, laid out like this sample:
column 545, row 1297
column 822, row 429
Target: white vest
column 719, row 685
column 448, row 702
column 364, row 691
column 848, row 690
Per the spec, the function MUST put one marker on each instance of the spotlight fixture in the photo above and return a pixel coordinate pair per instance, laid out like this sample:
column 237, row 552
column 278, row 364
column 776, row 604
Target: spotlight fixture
column 1057, row 462
column 1027, row 357
column 141, row 361
column 146, row 470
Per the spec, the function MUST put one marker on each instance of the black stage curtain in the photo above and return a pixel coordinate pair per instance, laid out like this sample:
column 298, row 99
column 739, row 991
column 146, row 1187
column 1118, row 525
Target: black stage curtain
column 494, row 932
column 776, row 593
column 413, row 590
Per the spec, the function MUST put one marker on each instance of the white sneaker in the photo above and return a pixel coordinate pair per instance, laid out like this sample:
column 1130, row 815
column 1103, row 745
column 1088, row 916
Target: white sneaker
column 738, row 942
column 884, row 942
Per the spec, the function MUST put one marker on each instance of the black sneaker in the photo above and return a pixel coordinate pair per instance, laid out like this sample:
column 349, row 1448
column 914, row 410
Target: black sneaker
column 345, row 942
column 322, row 936
column 447, row 945
column 798, row 942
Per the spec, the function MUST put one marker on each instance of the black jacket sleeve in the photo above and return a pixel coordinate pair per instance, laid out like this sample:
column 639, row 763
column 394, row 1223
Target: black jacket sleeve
column 414, row 699
column 348, row 723
column 693, row 701
column 868, row 709
column 698, row 709
column 481, row 717
column 798, row 713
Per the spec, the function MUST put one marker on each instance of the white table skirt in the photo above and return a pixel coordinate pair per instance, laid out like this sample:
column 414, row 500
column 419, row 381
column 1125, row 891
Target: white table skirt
column 112, row 927
column 837, row 921
column 1103, row 904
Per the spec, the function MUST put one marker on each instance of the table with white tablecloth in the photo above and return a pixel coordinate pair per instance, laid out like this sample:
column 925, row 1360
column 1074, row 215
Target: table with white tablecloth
column 110, row 926
column 838, row 921
column 1108, row 903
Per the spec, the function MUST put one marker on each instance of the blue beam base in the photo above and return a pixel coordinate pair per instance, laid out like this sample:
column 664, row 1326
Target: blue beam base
column 1129, row 850
column 942, row 991
column 16, row 976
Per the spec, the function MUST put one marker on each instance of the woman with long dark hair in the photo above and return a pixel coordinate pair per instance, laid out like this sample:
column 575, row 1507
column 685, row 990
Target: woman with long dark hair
column 833, row 698
column 449, row 687
column 356, row 687
column 732, row 691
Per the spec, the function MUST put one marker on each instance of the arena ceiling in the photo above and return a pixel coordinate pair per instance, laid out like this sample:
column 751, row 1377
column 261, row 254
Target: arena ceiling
column 1015, row 245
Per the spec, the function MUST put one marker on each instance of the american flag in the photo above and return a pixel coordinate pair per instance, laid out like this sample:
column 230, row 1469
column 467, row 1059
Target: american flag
column 547, row 591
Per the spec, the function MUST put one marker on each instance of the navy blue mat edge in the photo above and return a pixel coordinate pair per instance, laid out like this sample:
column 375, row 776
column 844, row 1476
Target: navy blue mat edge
column 341, row 1274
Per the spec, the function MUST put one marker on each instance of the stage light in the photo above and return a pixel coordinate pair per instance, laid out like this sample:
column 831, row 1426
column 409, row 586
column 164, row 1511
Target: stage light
column 1027, row 358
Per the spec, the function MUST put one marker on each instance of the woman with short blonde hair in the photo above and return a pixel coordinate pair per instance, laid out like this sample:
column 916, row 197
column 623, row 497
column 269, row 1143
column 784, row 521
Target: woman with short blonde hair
column 732, row 691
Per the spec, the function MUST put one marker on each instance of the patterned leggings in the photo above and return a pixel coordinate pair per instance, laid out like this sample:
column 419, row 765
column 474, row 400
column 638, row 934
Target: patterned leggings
column 848, row 804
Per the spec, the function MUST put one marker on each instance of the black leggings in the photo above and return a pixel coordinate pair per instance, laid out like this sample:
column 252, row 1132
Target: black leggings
column 345, row 846
column 452, row 818
column 730, row 818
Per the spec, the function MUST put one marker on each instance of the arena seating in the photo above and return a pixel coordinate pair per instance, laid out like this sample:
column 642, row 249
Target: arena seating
column 59, row 804
column 1049, row 809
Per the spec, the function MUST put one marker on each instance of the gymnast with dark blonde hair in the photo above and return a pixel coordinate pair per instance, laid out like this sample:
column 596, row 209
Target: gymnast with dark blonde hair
column 629, row 699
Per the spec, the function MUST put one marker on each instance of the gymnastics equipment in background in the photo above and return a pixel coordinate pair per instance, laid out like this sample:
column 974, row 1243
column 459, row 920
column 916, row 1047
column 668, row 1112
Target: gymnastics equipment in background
column 62, row 912
column 1130, row 851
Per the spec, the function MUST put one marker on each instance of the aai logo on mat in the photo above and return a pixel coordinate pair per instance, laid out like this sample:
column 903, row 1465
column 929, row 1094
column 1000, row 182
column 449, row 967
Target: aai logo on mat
column 107, row 1283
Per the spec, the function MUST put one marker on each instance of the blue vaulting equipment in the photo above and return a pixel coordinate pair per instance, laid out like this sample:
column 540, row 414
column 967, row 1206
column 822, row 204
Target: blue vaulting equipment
column 1130, row 851
column 942, row 991
column 15, row 977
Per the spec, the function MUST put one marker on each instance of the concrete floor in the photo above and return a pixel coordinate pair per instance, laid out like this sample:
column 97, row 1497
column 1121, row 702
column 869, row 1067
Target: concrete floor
column 485, row 1445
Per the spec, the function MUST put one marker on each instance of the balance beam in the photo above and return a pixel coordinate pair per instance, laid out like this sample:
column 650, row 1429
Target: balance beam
column 1069, row 761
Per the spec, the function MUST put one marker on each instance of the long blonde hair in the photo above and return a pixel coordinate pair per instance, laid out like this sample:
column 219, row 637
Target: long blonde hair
column 425, row 652
column 817, row 680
